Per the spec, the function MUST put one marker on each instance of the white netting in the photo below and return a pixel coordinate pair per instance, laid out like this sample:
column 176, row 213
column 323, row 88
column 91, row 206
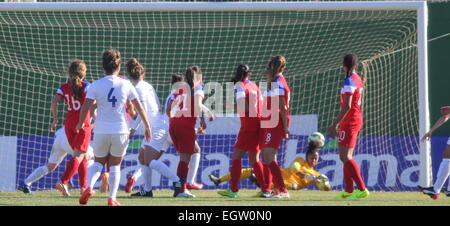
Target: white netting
column 36, row 48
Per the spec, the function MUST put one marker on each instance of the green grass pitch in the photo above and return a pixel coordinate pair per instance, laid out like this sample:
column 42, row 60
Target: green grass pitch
column 211, row 198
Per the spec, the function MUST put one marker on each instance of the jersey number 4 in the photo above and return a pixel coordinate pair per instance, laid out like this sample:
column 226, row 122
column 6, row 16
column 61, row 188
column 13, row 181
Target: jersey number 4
column 112, row 98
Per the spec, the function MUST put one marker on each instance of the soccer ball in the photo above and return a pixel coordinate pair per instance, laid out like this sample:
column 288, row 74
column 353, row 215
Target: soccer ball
column 317, row 137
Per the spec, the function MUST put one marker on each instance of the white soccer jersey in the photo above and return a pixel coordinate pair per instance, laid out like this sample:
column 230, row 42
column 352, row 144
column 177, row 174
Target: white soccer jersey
column 149, row 100
column 111, row 94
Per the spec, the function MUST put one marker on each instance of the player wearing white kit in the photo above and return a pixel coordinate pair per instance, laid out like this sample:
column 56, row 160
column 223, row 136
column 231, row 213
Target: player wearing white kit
column 111, row 94
column 60, row 149
column 444, row 167
column 151, row 150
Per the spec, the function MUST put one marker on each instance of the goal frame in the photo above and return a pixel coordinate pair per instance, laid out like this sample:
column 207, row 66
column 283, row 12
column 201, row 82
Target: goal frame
column 425, row 175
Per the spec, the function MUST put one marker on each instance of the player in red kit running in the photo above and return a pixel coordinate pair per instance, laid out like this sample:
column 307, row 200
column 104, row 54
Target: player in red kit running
column 186, row 106
column 350, row 122
column 248, row 99
column 275, row 124
column 74, row 94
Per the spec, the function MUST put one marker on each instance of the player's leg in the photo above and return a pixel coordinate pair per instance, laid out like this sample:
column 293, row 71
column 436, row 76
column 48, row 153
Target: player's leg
column 148, row 155
column 235, row 174
column 119, row 145
column 193, row 169
column 270, row 160
column 182, row 171
column 257, row 166
column 131, row 180
column 443, row 173
column 71, row 168
column 82, row 174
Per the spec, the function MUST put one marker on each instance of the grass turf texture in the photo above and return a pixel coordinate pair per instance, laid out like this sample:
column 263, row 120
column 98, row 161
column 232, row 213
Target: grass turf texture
column 211, row 198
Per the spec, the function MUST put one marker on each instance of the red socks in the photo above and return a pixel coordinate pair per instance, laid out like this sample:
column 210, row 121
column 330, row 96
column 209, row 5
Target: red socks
column 267, row 174
column 71, row 169
column 352, row 173
column 236, row 166
column 82, row 174
column 277, row 177
column 182, row 172
column 258, row 170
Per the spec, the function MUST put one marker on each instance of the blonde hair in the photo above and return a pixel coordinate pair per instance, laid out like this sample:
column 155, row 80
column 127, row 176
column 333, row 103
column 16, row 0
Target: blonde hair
column 77, row 73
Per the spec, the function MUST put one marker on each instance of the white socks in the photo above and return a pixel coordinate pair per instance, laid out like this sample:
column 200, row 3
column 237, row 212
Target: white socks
column 37, row 174
column 443, row 173
column 138, row 172
column 193, row 168
column 114, row 181
column 164, row 170
column 147, row 173
column 94, row 173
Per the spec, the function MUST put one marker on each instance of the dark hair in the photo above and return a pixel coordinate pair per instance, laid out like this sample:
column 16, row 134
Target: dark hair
column 312, row 148
column 197, row 69
column 134, row 69
column 241, row 72
column 350, row 61
column 111, row 60
column 189, row 77
column 277, row 64
column 176, row 78
column 77, row 72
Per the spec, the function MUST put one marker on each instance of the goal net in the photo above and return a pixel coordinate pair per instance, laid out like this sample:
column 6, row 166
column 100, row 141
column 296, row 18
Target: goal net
column 37, row 44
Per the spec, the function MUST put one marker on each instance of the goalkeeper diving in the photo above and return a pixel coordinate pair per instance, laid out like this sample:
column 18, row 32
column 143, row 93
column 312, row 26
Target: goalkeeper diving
column 299, row 175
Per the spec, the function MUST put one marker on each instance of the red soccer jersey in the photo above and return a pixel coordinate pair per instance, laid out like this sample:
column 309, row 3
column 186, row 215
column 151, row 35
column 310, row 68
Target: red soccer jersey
column 182, row 110
column 252, row 94
column 353, row 85
column 281, row 90
column 73, row 104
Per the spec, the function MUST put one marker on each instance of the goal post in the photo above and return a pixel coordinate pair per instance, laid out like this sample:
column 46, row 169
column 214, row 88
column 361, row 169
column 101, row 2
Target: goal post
column 221, row 21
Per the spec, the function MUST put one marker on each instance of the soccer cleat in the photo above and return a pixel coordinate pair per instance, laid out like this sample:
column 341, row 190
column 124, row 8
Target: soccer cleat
column 264, row 194
column 82, row 190
column 143, row 193
column 281, row 195
column 420, row 188
column 343, row 195
column 228, row 193
column 253, row 179
column 85, row 196
column 447, row 193
column 430, row 192
column 63, row 188
column 105, row 184
column 130, row 183
column 185, row 194
column 25, row 188
column 194, row 186
column 215, row 179
column 177, row 188
column 113, row 202
column 357, row 194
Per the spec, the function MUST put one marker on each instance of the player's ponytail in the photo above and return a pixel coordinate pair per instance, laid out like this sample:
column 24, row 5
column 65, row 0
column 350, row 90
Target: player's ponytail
column 111, row 61
column 313, row 147
column 134, row 69
column 198, row 75
column 77, row 73
column 189, row 77
column 176, row 78
column 351, row 62
column 242, row 71
column 277, row 64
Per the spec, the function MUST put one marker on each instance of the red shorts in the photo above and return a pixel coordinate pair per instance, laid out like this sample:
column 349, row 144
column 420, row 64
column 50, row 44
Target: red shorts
column 248, row 140
column 79, row 141
column 348, row 134
column 271, row 137
column 183, row 137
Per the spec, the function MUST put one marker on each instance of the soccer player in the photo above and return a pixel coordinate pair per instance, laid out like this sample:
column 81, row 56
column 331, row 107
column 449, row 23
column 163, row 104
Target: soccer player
column 186, row 106
column 299, row 175
column 74, row 94
column 275, row 123
column 444, row 167
column 350, row 122
column 60, row 149
column 111, row 130
column 152, row 150
column 248, row 99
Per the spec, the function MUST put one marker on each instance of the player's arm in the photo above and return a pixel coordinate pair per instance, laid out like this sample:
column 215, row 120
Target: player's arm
column 140, row 110
column 445, row 110
column 283, row 113
column 169, row 108
column 323, row 183
column 88, row 105
column 54, row 107
column 332, row 129
column 436, row 125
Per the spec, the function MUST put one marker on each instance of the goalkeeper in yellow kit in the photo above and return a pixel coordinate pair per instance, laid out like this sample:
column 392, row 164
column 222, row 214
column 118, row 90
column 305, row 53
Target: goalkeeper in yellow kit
column 299, row 175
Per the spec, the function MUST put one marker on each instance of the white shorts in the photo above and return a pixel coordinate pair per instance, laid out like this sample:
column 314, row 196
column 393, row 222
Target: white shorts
column 114, row 144
column 61, row 148
column 448, row 141
column 160, row 139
